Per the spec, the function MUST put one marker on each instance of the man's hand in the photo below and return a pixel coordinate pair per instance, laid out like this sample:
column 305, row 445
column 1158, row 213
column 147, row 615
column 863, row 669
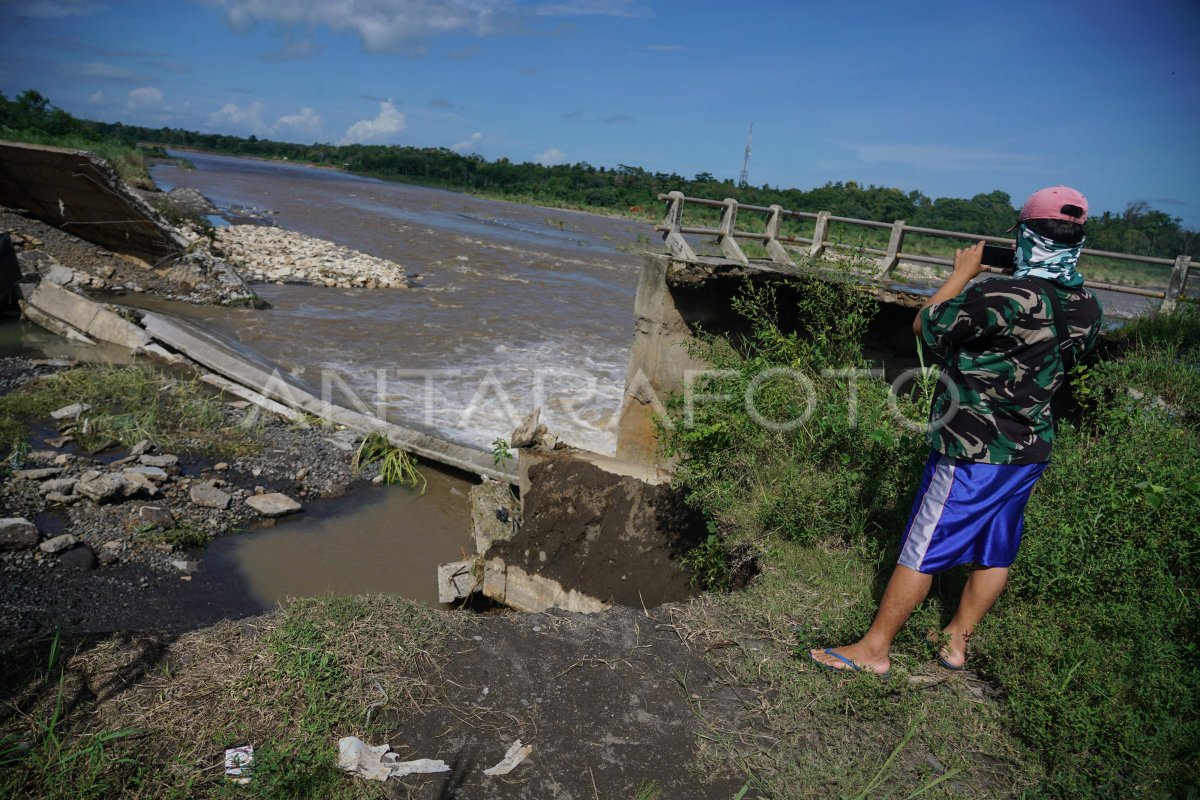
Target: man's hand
column 969, row 261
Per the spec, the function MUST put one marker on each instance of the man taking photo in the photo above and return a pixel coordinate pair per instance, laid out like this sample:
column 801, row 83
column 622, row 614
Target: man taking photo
column 1009, row 344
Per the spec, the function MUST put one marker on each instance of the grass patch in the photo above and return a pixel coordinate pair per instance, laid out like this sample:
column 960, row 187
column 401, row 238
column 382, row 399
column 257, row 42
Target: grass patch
column 1090, row 657
column 290, row 683
column 47, row 761
column 128, row 404
column 184, row 537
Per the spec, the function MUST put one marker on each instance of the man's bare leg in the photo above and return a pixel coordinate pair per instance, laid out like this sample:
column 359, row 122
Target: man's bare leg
column 979, row 595
column 905, row 591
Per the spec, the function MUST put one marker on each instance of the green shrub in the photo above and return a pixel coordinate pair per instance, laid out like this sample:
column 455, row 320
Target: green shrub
column 827, row 478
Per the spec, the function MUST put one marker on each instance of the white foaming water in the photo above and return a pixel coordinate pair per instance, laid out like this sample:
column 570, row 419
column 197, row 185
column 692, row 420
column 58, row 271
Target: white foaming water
column 475, row 401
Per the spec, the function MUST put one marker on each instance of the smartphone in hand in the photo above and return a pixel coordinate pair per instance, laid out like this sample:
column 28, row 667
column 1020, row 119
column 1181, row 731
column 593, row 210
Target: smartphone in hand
column 999, row 256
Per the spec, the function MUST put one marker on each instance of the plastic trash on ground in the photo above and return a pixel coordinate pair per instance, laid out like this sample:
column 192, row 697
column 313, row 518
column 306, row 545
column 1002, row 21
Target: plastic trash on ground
column 239, row 763
column 515, row 755
column 377, row 763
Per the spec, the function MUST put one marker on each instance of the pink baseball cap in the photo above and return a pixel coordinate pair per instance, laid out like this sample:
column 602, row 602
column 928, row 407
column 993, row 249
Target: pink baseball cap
column 1056, row 202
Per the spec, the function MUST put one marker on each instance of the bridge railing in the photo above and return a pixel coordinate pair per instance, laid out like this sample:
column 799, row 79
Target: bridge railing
column 779, row 247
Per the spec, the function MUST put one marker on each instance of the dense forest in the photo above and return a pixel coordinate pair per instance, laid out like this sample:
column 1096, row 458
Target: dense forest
column 1139, row 229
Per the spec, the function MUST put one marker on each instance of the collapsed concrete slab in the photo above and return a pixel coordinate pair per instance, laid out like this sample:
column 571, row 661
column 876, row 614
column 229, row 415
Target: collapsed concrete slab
column 78, row 193
column 94, row 321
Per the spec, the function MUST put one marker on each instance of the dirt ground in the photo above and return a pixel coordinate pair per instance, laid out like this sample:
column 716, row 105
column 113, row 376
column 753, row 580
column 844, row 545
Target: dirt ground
column 613, row 705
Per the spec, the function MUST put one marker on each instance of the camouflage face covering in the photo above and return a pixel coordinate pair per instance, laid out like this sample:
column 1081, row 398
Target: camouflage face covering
column 1039, row 257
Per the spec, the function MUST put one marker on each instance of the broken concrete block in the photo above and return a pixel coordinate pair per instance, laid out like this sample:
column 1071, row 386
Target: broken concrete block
column 17, row 533
column 58, row 544
column 105, row 488
column 37, row 474
column 70, row 412
column 156, row 474
column 273, row 505
column 58, row 486
column 530, row 432
column 209, row 496
column 456, row 580
column 154, row 515
column 494, row 514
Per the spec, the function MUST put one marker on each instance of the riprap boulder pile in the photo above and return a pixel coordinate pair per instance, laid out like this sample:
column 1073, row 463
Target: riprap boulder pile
column 278, row 255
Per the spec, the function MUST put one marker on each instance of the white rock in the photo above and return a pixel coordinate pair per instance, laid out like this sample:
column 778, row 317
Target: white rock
column 71, row 411
column 273, row 505
column 58, row 544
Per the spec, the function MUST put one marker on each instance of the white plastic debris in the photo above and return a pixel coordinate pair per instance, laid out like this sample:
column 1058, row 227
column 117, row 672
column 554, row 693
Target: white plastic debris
column 377, row 763
column 515, row 755
column 239, row 763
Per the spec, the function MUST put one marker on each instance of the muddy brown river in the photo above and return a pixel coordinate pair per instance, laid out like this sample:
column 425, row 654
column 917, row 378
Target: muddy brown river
column 515, row 306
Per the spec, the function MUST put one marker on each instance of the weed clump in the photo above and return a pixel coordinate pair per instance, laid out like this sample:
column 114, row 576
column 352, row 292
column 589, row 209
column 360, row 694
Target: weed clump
column 395, row 465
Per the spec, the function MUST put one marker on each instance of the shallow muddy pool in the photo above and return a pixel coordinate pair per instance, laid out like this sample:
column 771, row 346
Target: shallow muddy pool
column 386, row 539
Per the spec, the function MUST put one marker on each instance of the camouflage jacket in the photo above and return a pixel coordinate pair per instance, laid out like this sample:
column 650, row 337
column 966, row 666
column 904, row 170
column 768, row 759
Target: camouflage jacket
column 1001, row 354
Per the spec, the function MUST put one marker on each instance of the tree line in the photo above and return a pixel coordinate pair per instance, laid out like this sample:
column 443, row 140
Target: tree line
column 1138, row 229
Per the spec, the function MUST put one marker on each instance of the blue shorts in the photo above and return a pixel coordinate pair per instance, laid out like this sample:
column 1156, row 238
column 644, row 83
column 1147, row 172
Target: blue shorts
column 967, row 512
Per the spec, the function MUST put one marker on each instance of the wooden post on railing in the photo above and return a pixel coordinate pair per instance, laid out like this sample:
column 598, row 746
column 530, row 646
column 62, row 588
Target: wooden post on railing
column 729, row 245
column 776, row 250
column 895, row 242
column 673, row 237
column 1179, row 276
column 820, row 234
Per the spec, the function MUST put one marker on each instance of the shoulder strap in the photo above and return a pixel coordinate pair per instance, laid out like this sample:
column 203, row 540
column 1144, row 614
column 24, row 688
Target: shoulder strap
column 1066, row 346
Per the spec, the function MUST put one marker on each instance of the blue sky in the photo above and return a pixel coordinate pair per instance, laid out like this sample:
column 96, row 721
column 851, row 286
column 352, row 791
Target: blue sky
column 952, row 98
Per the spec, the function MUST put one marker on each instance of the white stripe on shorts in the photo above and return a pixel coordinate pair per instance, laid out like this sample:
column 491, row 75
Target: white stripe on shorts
column 925, row 521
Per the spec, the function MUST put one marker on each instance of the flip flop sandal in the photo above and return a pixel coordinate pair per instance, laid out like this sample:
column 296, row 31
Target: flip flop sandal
column 850, row 665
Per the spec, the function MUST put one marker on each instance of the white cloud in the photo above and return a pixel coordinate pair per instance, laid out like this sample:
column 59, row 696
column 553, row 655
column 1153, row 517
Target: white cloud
column 381, row 24
column 591, row 8
column 232, row 116
column 307, row 122
column 666, row 48
column 293, row 51
column 54, row 9
column 145, row 97
column 467, row 144
column 943, row 157
column 98, row 71
column 388, row 124
column 385, row 25
column 97, row 99
column 551, row 157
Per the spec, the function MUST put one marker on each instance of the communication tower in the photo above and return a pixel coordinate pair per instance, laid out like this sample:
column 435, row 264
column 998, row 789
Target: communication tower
column 746, row 158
